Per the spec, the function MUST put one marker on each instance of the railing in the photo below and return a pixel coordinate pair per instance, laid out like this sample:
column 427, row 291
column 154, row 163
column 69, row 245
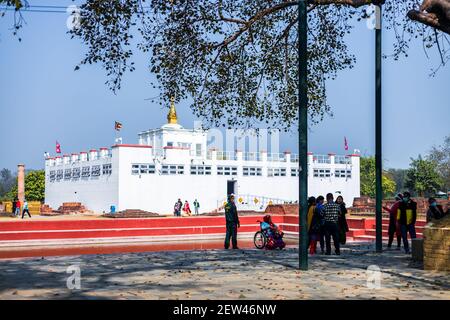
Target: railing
column 252, row 202
column 342, row 160
column 196, row 154
column 276, row 157
column 225, row 155
column 294, row 158
column 251, row 156
column 321, row 158
column 79, row 160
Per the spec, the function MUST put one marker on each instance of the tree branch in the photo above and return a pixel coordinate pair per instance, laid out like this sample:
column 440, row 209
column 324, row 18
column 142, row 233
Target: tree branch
column 429, row 19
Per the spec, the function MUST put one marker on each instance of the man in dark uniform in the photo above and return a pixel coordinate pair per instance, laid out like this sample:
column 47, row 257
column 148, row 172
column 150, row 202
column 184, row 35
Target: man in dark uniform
column 232, row 223
column 406, row 216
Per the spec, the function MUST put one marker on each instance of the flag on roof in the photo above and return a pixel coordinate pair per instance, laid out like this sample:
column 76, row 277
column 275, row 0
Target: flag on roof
column 117, row 126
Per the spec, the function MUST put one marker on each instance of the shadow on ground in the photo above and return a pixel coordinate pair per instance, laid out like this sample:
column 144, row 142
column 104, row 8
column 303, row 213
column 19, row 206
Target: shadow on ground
column 162, row 274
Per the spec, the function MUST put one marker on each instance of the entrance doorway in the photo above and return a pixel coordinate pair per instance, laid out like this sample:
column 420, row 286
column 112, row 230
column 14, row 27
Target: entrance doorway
column 231, row 187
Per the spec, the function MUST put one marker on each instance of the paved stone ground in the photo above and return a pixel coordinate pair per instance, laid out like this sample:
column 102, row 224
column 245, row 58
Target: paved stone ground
column 219, row 274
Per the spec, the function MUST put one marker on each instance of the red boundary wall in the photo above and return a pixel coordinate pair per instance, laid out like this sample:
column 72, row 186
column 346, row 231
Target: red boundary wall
column 360, row 228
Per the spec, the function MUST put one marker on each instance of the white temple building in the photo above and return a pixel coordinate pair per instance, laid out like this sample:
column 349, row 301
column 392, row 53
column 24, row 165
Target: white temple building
column 173, row 162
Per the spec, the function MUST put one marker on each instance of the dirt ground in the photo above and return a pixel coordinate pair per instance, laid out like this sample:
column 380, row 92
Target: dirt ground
column 220, row 274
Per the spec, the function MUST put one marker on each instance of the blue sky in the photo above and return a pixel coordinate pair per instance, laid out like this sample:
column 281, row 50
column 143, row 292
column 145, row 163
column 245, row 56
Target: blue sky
column 42, row 99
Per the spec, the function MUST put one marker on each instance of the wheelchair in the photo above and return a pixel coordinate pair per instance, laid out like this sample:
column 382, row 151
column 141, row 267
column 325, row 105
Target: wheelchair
column 260, row 237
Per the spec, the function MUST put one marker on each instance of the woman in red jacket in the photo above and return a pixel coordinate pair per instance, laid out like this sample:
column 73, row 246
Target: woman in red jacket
column 393, row 225
column 187, row 208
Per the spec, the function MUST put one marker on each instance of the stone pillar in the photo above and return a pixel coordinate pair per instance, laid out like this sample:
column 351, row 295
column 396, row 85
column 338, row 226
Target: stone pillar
column 239, row 155
column 75, row 157
column 93, row 154
column 21, row 182
column 263, row 159
column 213, row 154
column 287, row 156
column 332, row 157
column 263, row 155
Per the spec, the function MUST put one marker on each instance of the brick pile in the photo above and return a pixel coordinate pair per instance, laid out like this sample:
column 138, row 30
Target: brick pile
column 66, row 208
column 286, row 209
column 45, row 208
column 436, row 245
column 131, row 213
column 71, row 207
column 48, row 211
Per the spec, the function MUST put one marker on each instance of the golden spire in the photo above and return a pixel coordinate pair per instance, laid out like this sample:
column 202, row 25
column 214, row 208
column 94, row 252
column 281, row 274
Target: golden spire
column 172, row 116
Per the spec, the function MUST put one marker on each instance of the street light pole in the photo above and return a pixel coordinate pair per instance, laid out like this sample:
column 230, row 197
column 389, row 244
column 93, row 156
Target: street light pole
column 303, row 133
column 378, row 130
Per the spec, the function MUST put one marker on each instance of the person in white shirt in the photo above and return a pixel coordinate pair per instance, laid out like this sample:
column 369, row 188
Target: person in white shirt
column 25, row 209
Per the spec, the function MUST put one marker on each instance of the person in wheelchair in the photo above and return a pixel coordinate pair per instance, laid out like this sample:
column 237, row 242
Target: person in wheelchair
column 273, row 233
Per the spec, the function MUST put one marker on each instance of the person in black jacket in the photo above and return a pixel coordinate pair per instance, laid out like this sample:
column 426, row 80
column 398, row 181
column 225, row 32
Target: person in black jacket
column 342, row 221
column 321, row 232
column 14, row 207
column 232, row 223
column 406, row 216
column 435, row 211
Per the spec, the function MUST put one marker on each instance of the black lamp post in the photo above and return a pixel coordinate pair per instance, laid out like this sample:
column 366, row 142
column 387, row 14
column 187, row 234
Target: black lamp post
column 378, row 131
column 303, row 133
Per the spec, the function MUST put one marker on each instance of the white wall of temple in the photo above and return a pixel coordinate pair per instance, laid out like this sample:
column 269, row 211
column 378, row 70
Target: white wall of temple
column 348, row 186
column 157, row 192
column 97, row 193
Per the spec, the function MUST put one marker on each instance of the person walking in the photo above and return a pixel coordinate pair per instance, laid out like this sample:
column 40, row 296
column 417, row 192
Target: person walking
column 177, row 208
column 394, row 228
column 196, row 206
column 321, row 221
column 342, row 221
column 406, row 217
column 435, row 211
column 187, row 208
column 232, row 223
column 331, row 212
column 25, row 209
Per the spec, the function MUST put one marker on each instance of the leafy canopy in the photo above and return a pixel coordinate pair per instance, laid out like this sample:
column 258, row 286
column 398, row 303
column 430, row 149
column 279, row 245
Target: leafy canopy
column 367, row 179
column 440, row 155
column 34, row 186
column 237, row 59
column 422, row 177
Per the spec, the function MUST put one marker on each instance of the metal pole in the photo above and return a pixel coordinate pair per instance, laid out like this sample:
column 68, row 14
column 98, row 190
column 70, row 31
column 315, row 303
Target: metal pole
column 303, row 134
column 378, row 136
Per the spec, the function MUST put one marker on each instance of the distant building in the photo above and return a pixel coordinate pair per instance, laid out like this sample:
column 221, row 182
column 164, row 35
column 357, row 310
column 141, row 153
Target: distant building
column 172, row 162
